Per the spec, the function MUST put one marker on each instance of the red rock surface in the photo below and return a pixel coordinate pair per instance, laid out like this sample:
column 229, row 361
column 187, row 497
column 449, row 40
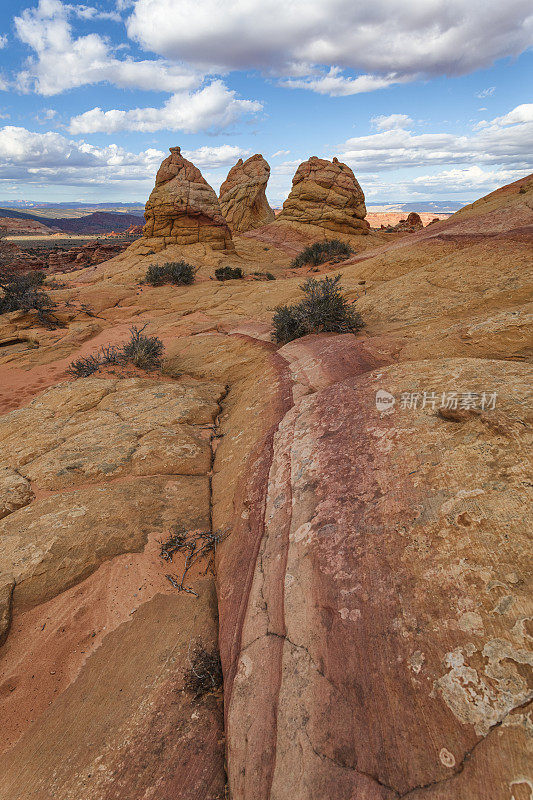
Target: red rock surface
column 373, row 606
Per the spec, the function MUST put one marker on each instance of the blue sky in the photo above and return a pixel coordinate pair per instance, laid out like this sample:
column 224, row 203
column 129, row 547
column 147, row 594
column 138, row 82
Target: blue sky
column 424, row 100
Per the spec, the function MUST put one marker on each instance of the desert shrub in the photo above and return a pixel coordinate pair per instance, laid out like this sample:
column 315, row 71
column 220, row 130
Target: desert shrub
column 177, row 272
column 319, row 252
column 522, row 190
column 143, row 351
column 195, row 546
column 83, row 367
column 263, row 276
column 324, row 309
column 205, row 672
column 228, row 273
column 22, row 292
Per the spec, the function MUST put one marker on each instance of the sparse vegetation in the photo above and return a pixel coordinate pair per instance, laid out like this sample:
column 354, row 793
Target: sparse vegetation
column 143, row 351
column 195, row 545
column 177, row 272
column 228, row 273
column 205, row 672
column 320, row 252
column 88, row 365
column 263, row 276
column 522, row 190
column 22, row 292
column 140, row 350
column 324, row 308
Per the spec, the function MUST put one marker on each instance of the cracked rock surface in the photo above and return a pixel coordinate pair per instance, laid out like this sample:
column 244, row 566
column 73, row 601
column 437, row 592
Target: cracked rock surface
column 371, row 601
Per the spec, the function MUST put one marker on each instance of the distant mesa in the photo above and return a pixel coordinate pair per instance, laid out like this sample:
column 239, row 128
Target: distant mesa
column 183, row 209
column 326, row 194
column 242, row 195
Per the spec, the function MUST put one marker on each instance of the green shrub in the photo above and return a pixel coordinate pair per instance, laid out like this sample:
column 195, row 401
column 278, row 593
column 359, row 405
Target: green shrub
column 263, row 276
column 228, row 273
column 143, row 351
column 324, row 309
column 21, row 292
column 320, row 252
column 88, row 365
column 177, row 272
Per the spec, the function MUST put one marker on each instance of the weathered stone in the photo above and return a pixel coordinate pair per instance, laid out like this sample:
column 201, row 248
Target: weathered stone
column 15, row 491
column 6, row 595
column 183, row 208
column 406, row 551
column 124, row 728
column 242, row 195
column 326, row 194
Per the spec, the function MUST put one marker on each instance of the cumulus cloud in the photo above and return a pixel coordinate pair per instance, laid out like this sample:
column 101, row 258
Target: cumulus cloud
column 474, row 178
column 50, row 158
column 385, row 40
column 63, row 61
column 505, row 140
column 3, row 40
column 335, row 84
column 224, row 155
column 391, row 122
column 211, row 108
column 89, row 13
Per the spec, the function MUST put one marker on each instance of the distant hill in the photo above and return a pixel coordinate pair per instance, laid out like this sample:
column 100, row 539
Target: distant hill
column 97, row 222
column 29, row 205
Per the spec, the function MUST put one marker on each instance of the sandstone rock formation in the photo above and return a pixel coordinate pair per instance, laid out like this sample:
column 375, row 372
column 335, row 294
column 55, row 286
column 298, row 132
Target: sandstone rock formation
column 326, row 194
column 242, row 195
column 183, row 209
column 372, row 601
column 412, row 223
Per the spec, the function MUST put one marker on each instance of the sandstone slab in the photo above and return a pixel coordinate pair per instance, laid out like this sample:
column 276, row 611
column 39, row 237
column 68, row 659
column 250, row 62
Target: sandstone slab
column 382, row 642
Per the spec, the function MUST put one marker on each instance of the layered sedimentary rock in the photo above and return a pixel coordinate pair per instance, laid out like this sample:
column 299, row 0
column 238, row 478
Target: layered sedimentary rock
column 404, row 550
column 373, row 616
column 326, row 194
column 183, row 209
column 242, row 195
column 412, row 223
column 98, row 639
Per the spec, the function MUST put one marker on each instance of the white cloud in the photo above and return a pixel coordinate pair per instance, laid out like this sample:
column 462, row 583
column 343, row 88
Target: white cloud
column 50, row 158
column 280, row 153
column 470, row 179
column 89, row 13
column 3, row 40
column 214, row 107
column 391, row 122
column 505, row 140
column 224, row 155
column 385, row 40
column 335, row 84
column 486, row 92
column 287, row 167
column 64, row 62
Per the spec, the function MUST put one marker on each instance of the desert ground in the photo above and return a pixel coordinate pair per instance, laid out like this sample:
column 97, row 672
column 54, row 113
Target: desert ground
column 364, row 498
